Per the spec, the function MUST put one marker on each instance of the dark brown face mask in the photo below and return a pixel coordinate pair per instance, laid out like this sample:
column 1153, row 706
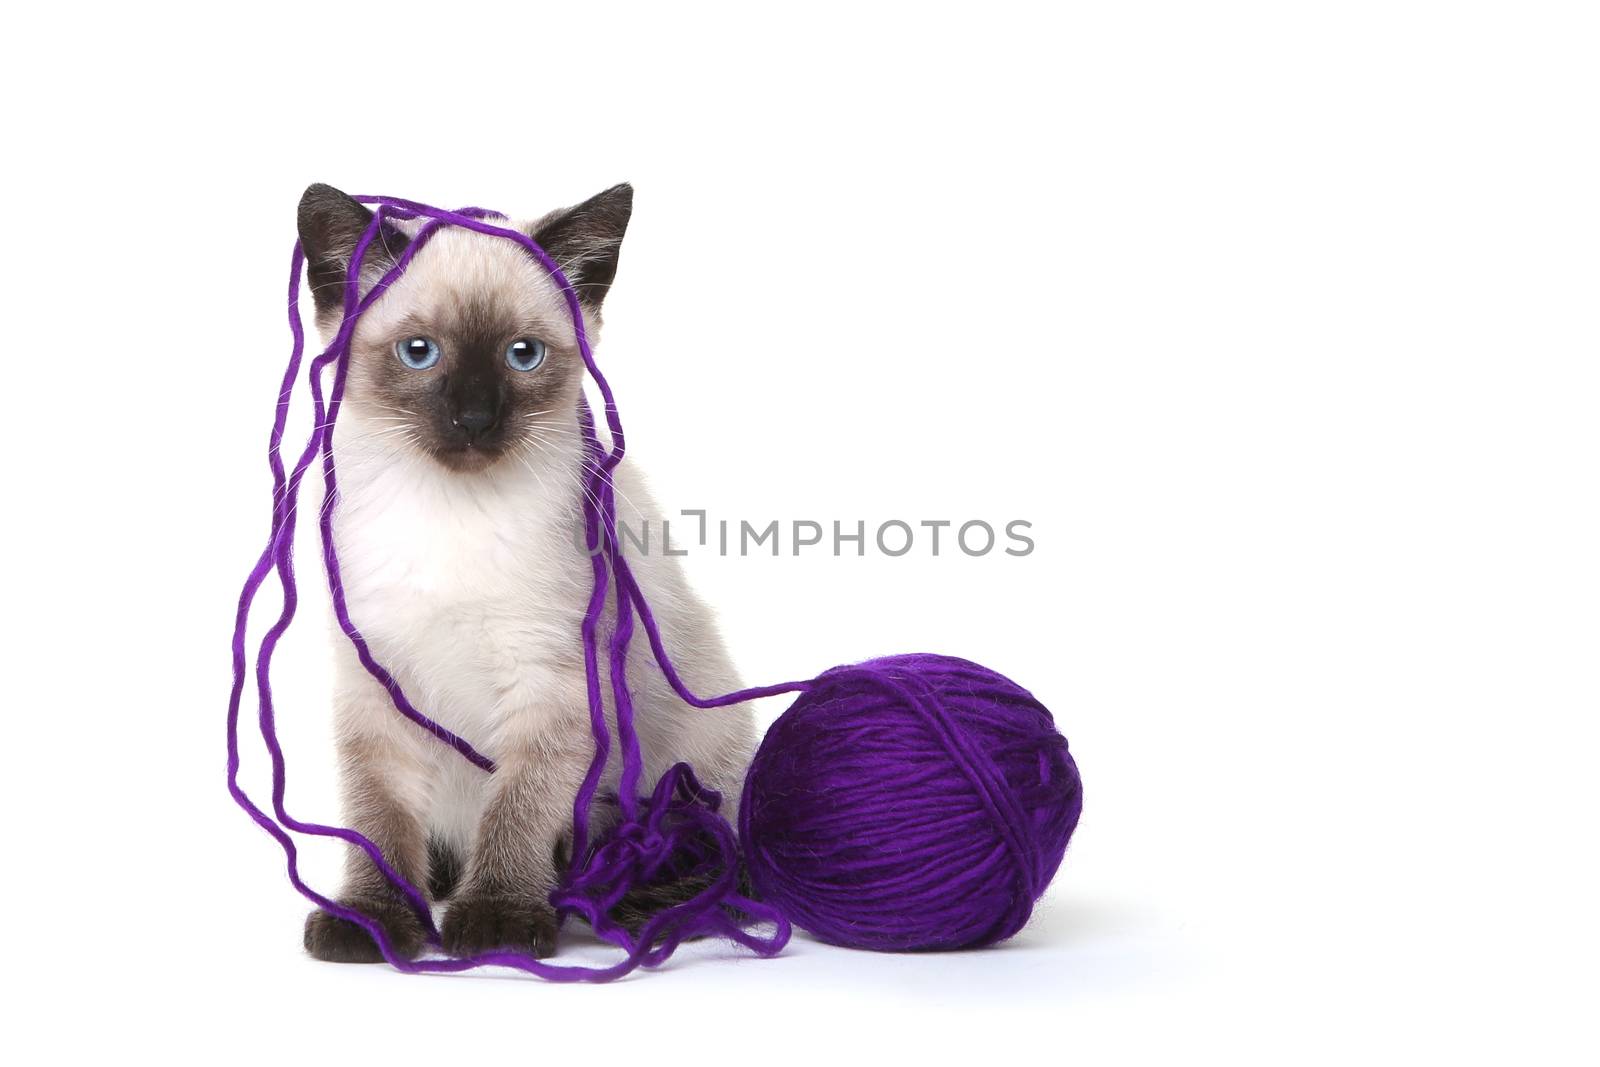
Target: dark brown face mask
column 466, row 380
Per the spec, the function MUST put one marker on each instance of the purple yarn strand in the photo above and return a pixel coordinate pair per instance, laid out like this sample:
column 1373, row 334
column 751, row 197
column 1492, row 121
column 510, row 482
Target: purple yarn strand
column 679, row 808
column 324, row 422
column 276, row 558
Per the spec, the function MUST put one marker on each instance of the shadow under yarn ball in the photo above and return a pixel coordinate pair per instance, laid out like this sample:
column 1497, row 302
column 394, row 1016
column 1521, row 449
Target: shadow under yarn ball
column 913, row 802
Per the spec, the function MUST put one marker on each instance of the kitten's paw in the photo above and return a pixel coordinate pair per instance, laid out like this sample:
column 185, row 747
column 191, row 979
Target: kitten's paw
column 336, row 940
column 477, row 924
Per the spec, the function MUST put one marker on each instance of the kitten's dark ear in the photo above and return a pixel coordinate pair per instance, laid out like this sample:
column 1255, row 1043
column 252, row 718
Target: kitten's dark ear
column 586, row 240
column 330, row 225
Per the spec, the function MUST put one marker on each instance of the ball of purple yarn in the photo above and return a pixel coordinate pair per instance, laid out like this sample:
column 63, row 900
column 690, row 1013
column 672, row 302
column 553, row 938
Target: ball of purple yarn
column 909, row 803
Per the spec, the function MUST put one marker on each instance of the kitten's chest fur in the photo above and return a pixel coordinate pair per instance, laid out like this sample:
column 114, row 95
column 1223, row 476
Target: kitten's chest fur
column 471, row 590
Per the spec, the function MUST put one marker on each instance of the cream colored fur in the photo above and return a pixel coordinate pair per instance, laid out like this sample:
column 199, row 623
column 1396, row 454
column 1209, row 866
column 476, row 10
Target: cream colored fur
column 470, row 588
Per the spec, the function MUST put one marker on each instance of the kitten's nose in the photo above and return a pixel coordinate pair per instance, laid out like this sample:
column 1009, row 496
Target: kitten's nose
column 476, row 421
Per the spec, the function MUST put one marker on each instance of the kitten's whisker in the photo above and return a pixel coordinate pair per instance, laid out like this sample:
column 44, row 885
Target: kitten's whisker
column 583, row 486
column 523, row 459
column 590, row 469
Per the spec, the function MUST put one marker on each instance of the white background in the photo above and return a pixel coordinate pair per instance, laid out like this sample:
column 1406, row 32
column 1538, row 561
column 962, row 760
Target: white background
column 1277, row 321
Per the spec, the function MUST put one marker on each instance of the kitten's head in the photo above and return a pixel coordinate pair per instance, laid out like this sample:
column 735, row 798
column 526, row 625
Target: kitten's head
column 470, row 355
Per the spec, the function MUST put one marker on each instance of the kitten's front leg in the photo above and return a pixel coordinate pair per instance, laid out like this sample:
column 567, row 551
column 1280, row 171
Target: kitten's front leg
column 379, row 781
column 504, row 902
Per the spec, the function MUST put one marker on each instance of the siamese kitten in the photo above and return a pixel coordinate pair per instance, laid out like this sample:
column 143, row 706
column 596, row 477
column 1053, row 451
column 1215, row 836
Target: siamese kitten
column 461, row 542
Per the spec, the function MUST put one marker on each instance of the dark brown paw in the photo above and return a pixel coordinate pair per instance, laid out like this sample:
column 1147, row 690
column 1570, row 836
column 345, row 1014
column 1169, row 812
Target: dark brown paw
column 477, row 924
column 336, row 940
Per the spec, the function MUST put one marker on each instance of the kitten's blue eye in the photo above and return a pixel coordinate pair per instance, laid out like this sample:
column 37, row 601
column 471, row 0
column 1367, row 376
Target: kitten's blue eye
column 418, row 353
column 525, row 354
